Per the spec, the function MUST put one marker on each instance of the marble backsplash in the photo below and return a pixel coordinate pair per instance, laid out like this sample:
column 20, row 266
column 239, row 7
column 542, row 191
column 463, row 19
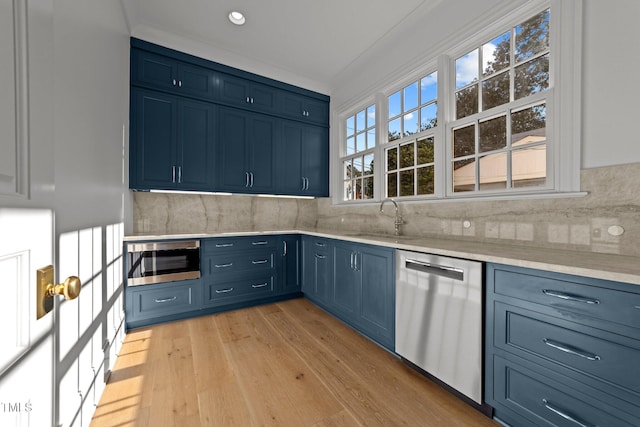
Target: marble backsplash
column 573, row 223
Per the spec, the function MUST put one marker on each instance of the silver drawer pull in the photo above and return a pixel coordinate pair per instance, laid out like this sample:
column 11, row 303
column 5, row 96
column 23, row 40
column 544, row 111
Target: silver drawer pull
column 262, row 285
column 223, row 291
column 570, row 297
column 570, row 349
column 262, row 261
column 564, row 415
column 159, row 301
column 223, row 265
column 320, row 256
column 223, row 245
column 262, row 242
column 321, row 244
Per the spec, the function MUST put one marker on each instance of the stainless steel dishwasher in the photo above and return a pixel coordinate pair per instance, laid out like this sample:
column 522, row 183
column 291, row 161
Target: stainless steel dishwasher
column 439, row 318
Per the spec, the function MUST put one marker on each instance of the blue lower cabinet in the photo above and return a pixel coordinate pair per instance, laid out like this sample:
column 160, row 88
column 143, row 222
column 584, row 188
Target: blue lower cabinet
column 289, row 264
column 317, row 269
column 154, row 303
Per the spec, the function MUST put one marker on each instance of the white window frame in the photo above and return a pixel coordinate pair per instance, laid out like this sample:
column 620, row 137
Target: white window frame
column 563, row 106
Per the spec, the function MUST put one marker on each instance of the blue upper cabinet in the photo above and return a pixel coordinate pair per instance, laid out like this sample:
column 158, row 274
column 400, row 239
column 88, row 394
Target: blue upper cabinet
column 160, row 72
column 242, row 93
column 171, row 142
column 245, row 151
column 305, row 109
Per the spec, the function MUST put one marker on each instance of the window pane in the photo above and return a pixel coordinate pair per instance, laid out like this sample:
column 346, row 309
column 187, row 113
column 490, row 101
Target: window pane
column 348, row 190
column 429, row 88
column 371, row 138
column 493, row 172
column 361, row 140
column 496, row 54
column 529, row 166
column 395, row 107
column 406, row 183
column 351, row 128
column 429, row 116
column 368, row 164
column 367, row 188
column 529, row 126
column 425, row 180
column 464, row 141
column 406, row 156
column 532, row 77
column 392, row 185
column 357, row 193
column 357, row 167
column 392, row 159
column 411, row 96
column 467, row 69
column 410, row 123
column 493, row 134
column 495, row 91
column 467, row 102
column 360, row 121
column 425, row 150
column 371, row 116
column 464, row 175
column 532, row 36
column 351, row 145
column 348, row 170
column 395, row 129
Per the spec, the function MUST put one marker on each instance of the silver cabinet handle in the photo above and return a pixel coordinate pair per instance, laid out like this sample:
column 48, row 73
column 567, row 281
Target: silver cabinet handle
column 247, row 181
column 570, row 297
column 179, row 174
column 173, row 174
column 352, row 253
column 320, row 244
column 355, row 261
column 261, row 285
column 223, row 291
column 223, row 245
column 179, row 83
column 251, row 179
column 174, row 82
column 224, row 265
column 556, row 410
column 284, row 248
column 438, row 270
column 306, row 183
column 303, row 182
column 247, row 100
column 166, row 300
column 570, row 349
column 320, row 256
column 258, row 262
column 261, row 242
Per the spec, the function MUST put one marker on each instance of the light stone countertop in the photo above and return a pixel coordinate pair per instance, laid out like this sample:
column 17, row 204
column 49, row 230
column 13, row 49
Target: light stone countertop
column 597, row 265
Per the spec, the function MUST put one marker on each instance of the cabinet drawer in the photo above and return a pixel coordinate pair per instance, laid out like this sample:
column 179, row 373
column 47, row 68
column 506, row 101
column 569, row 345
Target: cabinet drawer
column 588, row 350
column 161, row 300
column 241, row 262
column 548, row 401
column 241, row 289
column 231, row 244
column 567, row 293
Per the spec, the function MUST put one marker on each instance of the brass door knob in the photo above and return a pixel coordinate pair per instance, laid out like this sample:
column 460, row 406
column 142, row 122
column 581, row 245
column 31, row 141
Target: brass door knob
column 70, row 288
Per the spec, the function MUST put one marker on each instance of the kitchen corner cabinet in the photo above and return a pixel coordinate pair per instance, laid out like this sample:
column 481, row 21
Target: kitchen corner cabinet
column 245, row 161
column 303, row 159
column 171, row 142
column 561, row 349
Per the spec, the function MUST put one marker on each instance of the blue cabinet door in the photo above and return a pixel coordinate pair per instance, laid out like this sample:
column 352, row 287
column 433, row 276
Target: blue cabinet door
column 315, row 161
column 242, row 93
column 346, row 281
column 153, row 135
column 290, row 268
column 290, row 178
column 260, row 151
column 196, row 145
column 305, row 109
column 317, row 269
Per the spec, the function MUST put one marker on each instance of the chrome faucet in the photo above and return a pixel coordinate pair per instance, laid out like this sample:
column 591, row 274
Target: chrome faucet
column 398, row 222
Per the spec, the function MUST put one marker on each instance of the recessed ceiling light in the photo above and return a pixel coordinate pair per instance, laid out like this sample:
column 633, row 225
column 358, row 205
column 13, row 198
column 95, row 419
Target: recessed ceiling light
column 236, row 17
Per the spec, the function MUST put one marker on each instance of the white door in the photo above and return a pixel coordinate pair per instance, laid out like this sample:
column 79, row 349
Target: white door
column 63, row 127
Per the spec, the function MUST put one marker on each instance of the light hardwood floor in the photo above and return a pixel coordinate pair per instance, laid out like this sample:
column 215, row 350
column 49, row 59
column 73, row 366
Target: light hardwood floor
column 284, row 364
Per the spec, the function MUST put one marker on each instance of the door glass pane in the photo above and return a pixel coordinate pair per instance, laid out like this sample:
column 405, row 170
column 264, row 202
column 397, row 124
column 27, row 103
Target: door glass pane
column 395, row 129
column 464, row 175
column 495, row 91
column 529, row 166
column 493, row 134
column 531, row 77
column 425, row 150
column 532, row 36
column 425, row 180
column 529, row 126
column 411, row 96
column 496, row 54
column 395, row 106
column 406, row 155
column 467, row 102
column 429, row 116
column 428, row 88
column 392, row 158
column 467, row 69
column 493, row 171
column 406, row 183
column 410, row 123
column 392, row 185
column 464, row 141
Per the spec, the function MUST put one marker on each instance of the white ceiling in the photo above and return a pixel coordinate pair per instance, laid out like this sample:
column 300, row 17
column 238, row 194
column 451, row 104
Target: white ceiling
column 314, row 39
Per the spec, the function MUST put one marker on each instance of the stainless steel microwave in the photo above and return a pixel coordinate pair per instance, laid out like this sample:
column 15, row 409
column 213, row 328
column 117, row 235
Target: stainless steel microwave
column 156, row 262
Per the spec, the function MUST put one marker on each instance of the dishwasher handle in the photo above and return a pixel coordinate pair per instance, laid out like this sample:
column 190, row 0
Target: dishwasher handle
column 438, row 270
